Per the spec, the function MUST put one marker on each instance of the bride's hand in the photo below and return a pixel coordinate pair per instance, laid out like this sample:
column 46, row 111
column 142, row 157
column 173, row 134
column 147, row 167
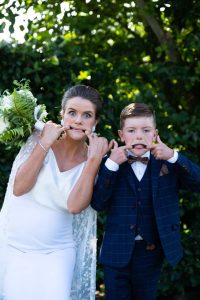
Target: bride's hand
column 51, row 132
column 98, row 146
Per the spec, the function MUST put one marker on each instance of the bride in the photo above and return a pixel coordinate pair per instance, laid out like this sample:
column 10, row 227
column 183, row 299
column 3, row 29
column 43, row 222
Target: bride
column 47, row 228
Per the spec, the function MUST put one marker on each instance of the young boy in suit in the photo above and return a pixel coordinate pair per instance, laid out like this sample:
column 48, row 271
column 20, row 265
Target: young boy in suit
column 138, row 186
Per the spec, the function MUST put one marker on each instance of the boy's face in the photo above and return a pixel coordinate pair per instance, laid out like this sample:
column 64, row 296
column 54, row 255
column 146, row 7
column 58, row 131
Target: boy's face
column 138, row 132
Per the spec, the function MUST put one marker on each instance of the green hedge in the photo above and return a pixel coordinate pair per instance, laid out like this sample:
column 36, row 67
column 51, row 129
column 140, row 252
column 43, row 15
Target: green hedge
column 115, row 50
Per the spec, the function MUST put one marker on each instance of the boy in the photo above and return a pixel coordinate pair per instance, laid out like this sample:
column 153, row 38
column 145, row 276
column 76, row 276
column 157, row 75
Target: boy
column 138, row 186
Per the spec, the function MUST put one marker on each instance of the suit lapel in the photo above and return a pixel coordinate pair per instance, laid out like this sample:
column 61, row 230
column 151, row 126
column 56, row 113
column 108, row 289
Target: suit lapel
column 155, row 169
column 128, row 173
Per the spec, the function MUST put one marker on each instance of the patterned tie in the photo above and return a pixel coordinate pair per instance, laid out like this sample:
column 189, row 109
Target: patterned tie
column 132, row 159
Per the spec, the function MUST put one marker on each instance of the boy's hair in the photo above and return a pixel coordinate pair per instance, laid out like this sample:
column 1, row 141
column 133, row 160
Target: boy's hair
column 136, row 110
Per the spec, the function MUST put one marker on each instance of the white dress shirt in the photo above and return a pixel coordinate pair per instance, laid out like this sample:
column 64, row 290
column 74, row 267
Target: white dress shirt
column 138, row 167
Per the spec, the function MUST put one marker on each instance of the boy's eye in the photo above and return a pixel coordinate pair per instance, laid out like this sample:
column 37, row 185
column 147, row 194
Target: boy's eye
column 131, row 130
column 146, row 130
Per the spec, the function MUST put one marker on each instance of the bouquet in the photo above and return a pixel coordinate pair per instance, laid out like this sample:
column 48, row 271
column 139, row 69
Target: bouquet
column 19, row 115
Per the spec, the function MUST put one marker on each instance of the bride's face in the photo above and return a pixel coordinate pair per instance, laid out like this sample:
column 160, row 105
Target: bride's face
column 79, row 116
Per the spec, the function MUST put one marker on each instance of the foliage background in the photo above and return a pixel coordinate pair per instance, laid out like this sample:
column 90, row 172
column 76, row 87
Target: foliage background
column 144, row 51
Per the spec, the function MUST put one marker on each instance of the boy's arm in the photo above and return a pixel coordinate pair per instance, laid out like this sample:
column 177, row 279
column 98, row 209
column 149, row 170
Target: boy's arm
column 104, row 187
column 107, row 177
column 189, row 173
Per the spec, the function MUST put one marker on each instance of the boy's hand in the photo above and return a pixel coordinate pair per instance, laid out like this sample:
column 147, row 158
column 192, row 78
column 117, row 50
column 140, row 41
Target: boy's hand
column 118, row 154
column 161, row 151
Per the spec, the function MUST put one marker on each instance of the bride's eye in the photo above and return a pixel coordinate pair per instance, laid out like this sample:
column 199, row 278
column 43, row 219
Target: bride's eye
column 88, row 115
column 72, row 113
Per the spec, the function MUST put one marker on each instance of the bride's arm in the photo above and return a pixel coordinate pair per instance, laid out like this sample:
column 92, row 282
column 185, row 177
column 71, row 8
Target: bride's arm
column 27, row 173
column 81, row 194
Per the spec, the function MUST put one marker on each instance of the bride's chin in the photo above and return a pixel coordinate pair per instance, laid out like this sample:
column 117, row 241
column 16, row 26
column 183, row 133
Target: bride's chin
column 77, row 137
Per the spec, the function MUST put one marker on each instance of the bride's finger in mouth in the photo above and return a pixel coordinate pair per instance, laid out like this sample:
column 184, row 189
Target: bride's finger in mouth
column 69, row 127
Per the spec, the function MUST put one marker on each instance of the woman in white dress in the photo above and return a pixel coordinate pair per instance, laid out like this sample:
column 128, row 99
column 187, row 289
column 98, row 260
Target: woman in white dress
column 48, row 229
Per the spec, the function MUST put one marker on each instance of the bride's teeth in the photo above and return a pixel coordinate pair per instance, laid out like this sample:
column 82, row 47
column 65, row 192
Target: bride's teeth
column 70, row 127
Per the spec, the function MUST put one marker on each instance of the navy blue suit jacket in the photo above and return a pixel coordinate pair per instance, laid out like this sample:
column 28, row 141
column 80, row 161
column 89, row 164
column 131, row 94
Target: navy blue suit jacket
column 115, row 192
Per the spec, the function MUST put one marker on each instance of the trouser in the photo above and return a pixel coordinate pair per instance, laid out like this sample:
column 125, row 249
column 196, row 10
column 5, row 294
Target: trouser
column 138, row 280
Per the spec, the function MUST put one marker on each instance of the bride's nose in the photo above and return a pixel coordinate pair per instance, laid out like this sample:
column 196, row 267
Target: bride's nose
column 78, row 119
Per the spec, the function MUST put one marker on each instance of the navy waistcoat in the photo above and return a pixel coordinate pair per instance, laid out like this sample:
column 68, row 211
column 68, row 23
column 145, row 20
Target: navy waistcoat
column 145, row 219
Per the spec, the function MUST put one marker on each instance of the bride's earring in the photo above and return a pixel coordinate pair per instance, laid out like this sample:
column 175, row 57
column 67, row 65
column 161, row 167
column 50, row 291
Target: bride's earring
column 62, row 135
column 93, row 129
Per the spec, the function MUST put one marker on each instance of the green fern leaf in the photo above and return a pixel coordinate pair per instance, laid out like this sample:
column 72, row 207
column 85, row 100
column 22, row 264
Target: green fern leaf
column 17, row 114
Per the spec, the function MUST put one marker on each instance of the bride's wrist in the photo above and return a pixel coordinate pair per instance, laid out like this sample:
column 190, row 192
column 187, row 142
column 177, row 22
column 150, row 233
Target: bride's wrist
column 44, row 145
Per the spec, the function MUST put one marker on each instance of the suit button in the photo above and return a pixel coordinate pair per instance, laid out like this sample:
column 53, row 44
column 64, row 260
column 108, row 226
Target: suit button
column 107, row 182
column 139, row 189
column 132, row 226
column 139, row 202
column 151, row 247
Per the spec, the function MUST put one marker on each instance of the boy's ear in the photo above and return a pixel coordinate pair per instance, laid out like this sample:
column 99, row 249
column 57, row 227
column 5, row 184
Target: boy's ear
column 120, row 133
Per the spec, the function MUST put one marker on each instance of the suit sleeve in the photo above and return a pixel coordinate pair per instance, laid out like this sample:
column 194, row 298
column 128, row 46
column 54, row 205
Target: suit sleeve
column 103, row 188
column 189, row 174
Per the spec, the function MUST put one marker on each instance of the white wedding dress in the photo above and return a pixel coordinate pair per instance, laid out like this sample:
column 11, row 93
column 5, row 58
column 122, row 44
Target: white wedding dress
column 46, row 253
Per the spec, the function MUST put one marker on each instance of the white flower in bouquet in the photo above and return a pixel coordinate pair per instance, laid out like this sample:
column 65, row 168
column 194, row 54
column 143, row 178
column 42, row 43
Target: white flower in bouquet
column 3, row 125
column 6, row 102
column 19, row 115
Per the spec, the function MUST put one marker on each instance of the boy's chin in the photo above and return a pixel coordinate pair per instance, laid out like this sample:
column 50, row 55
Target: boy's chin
column 139, row 152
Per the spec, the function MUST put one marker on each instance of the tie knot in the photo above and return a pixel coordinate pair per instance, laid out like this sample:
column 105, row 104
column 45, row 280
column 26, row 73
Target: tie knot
column 132, row 159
